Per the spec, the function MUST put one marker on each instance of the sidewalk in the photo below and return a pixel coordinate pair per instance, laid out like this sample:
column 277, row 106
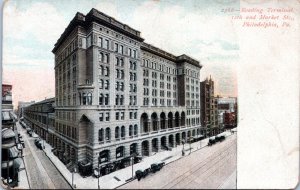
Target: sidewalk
column 109, row 181
column 23, row 179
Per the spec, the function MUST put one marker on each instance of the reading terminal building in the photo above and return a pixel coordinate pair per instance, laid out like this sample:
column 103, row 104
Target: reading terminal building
column 116, row 96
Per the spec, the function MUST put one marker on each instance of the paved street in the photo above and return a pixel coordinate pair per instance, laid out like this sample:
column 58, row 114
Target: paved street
column 42, row 173
column 209, row 168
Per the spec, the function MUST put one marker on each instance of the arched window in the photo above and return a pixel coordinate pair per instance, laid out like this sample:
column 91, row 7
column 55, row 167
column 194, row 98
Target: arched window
column 117, row 99
column 117, row 86
column 101, row 84
column 134, row 76
column 106, row 58
column 130, row 130
column 117, row 132
column 106, row 99
column 135, row 130
column 106, row 85
column 122, row 86
column 84, row 98
column 107, row 71
column 101, row 57
column 117, row 62
column 100, row 135
column 134, row 66
column 118, row 73
column 101, row 99
column 122, row 74
column 121, row 100
column 123, row 131
column 107, row 134
column 101, row 70
column 89, row 98
column 121, row 62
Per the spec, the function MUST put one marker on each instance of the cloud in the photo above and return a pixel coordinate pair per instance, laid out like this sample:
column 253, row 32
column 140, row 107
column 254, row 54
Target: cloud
column 40, row 21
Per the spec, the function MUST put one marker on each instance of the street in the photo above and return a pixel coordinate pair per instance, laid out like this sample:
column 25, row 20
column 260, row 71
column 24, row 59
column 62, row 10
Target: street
column 210, row 168
column 42, row 174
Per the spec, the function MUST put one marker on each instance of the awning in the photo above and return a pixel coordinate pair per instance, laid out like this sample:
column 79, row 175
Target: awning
column 13, row 152
column 17, row 162
column 7, row 133
column 13, row 115
column 6, row 116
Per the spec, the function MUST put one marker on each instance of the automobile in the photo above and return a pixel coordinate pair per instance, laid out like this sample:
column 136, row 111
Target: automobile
column 156, row 166
column 139, row 174
column 211, row 141
column 161, row 165
column 146, row 172
column 38, row 143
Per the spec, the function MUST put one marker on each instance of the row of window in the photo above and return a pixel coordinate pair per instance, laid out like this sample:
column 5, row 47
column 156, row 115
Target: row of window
column 160, row 67
column 193, row 112
column 119, row 133
column 161, row 101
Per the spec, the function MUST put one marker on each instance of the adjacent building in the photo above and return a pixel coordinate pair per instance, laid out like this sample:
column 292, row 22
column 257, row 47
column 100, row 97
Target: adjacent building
column 227, row 110
column 10, row 151
column 40, row 118
column 116, row 95
column 209, row 108
column 226, row 105
column 21, row 106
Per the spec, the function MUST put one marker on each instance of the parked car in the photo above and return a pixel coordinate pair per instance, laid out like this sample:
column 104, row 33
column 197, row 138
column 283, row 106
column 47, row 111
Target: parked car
column 139, row 174
column 211, row 142
column 38, row 143
column 156, row 166
column 146, row 172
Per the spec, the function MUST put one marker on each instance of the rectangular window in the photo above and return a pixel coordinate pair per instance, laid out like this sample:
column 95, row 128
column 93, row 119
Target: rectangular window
column 107, row 117
column 100, row 42
column 121, row 49
column 106, row 44
column 116, row 47
column 122, row 115
column 117, row 115
column 130, row 115
column 129, row 52
column 101, row 117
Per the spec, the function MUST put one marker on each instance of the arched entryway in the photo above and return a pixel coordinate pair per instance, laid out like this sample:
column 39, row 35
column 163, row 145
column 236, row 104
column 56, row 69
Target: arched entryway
column 170, row 120
column 162, row 120
column 144, row 123
column 154, row 145
column 154, row 120
column 171, row 140
column 145, row 148
column 177, row 119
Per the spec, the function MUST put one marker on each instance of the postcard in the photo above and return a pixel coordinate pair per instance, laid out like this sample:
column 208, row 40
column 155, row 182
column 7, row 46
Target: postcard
column 149, row 94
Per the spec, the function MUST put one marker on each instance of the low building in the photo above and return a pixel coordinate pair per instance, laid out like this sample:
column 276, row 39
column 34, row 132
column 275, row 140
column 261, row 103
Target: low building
column 21, row 106
column 10, row 151
column 227, row 110
column 40, row 118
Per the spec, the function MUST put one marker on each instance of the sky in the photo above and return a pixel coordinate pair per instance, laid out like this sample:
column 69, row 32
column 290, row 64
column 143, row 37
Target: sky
column 197, row 28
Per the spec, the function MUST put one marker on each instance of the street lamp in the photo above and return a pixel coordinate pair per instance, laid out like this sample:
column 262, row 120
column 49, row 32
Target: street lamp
column 132, row 162
column 183, row 147
column 74, row 171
